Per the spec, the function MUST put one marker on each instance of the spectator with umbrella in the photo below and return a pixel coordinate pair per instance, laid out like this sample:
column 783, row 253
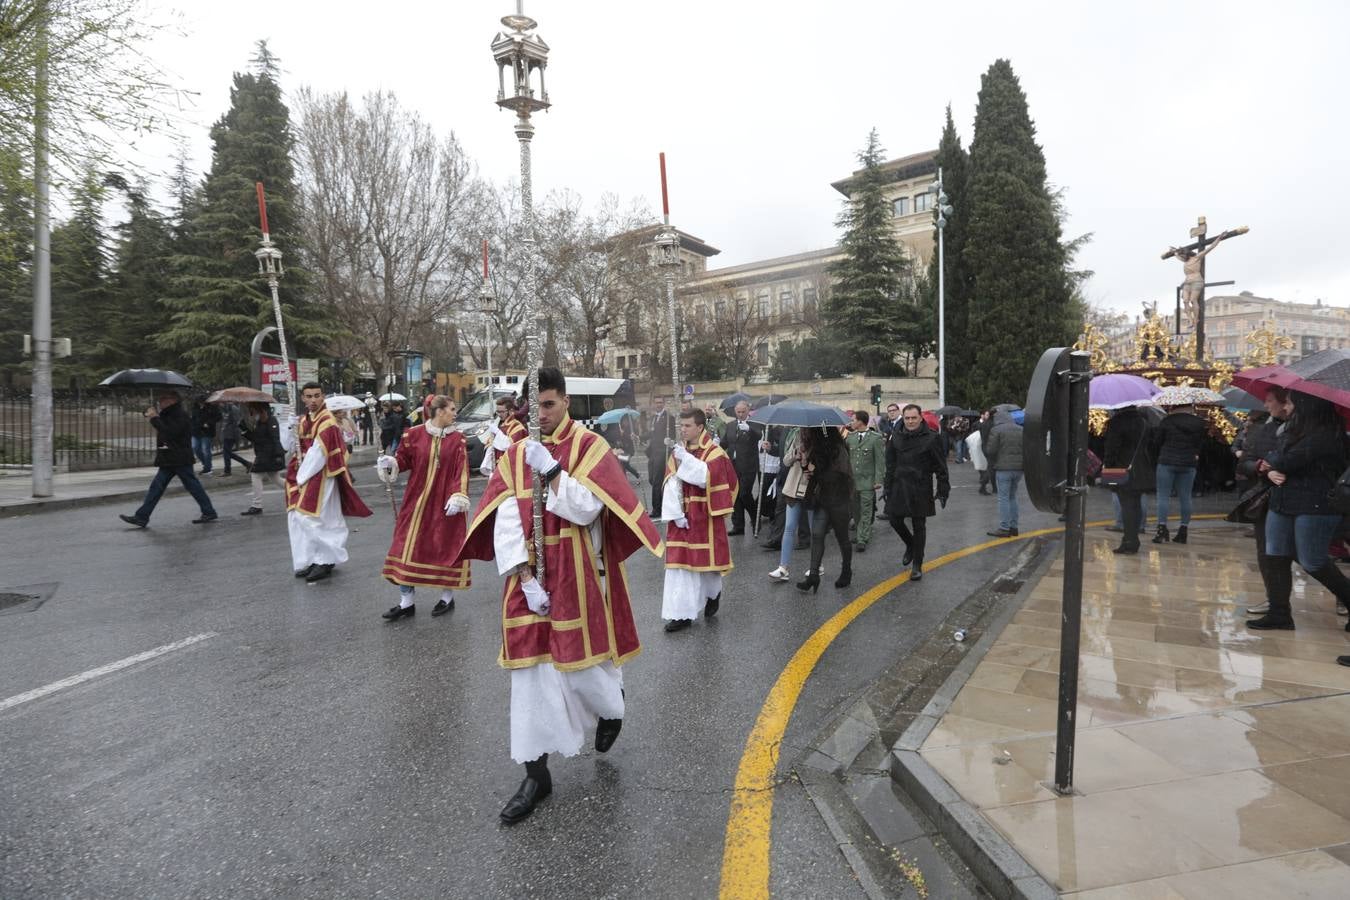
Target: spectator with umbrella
column 828, row 501
column 269, row 459
column 1176, row 444
column 1127, row 450
column 173, row 457
column 204, row 419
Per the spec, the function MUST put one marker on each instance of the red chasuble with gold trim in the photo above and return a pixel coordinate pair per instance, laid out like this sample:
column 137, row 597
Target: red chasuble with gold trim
column 703, row 546
column 587, row 624
column 424, row 536
column 514, row 430
column 305, row 498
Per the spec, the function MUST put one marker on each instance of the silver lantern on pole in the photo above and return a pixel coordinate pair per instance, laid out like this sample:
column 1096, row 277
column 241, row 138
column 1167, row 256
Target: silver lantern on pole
column 524, row 54
column 269, row 266
column 943, row 211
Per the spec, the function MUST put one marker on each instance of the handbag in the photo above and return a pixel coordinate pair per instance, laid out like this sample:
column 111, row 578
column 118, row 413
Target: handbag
column 1119, row 476
column 794, row 486
column 1251, row 506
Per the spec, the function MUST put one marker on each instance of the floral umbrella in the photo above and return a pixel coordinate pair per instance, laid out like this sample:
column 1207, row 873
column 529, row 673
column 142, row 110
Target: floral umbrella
column 1177, row 395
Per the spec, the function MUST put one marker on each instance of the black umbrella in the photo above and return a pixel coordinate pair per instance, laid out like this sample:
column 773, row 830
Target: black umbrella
column 1237, row 398
column 969, row 413
column 765, row 399
column 799, row 414
column 949, row 410
column 729, row 403
column 146, row 378
column 1006, row 407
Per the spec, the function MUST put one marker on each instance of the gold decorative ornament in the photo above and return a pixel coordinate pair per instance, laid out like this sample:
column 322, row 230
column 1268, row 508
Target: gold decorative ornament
column 1094, row 341
column 1264, row 346
column 1097, row 419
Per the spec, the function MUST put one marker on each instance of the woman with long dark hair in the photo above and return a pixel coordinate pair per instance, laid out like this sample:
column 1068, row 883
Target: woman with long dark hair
column 1309, row 456
column 829, row 502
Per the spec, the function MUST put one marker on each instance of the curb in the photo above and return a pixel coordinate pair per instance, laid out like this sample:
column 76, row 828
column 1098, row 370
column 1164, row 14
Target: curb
column 18, row 508
column 1003, row 871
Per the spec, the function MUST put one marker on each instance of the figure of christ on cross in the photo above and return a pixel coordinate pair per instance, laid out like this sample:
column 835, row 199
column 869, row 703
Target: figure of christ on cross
column 1192, row 258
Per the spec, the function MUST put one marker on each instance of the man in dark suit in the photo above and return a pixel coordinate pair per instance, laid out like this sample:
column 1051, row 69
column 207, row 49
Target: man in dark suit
column 173, row 457
column 661, row 427
column 740, row 440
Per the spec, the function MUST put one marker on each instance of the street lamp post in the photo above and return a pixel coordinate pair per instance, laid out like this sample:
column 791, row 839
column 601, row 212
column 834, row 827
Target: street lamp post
column 524, row 53
column 943, row 211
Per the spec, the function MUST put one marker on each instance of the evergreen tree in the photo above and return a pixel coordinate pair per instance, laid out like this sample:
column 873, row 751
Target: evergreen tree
column 954, row 163
column 16, row 260
column 80, row 302
column 217, row 299
column 1020, row 292
column 139, row 279
column 872, row 292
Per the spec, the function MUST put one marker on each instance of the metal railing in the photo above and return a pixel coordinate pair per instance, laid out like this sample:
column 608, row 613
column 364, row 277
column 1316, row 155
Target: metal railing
column 91, row 430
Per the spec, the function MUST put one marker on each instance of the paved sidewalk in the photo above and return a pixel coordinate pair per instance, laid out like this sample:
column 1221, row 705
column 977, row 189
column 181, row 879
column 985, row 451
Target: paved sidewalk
column 118, row 485
column 1211, row 761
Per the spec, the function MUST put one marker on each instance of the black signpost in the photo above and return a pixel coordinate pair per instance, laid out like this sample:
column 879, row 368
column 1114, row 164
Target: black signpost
column 1054, row 447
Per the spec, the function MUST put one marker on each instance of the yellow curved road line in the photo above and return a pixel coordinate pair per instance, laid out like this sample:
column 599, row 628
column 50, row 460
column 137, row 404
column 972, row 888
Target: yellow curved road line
column 745, row 850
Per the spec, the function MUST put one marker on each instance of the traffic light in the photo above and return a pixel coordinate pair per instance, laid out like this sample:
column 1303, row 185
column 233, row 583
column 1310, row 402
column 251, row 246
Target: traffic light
column 876, row 395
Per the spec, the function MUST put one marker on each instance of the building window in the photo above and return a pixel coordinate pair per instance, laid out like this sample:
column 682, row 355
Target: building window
column 761, row 354
column 809, row 299
column 902, row 206
column 764, row 305
column 923, row 202
column 721, row 309
column 785, row 304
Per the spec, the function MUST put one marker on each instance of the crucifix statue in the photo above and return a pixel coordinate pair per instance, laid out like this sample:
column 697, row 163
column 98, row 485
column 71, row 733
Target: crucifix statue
column 1192, row 258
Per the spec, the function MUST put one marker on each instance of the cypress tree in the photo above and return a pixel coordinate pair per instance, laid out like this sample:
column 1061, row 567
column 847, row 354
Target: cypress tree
column 954, row 162
column 217, row 300
column 1020, row 293
column 139, row 278
column 872, row 291
column 80, row 303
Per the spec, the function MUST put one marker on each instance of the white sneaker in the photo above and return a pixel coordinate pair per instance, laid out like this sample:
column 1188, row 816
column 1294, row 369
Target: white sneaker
column 1341, row 610
column 1259, row 610
column 780, row 574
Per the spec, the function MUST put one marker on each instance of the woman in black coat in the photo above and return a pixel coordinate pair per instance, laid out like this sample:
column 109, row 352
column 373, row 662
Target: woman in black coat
column 1128, row 447
column 269, row 459
column 914, row 458
column 829, row 503
column 1308, row 459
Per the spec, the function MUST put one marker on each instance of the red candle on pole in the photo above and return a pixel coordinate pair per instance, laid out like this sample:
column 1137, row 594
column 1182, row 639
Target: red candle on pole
column 262, row 207
column 485, row 271
column 665, row 198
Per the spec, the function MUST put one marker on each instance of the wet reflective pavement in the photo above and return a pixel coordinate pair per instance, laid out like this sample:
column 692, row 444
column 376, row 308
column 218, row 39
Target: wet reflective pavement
column 1211, row 761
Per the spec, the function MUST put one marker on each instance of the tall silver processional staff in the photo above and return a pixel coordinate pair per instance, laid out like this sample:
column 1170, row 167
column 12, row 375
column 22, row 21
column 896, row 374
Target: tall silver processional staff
column 668, row 258
column 269, row 266
column 524, row 54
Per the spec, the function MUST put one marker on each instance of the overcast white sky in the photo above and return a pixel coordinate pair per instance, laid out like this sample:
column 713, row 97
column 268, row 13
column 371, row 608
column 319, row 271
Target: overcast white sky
column 1150, row 113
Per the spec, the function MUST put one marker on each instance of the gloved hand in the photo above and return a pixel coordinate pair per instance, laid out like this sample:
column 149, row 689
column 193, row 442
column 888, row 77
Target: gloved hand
column 387, row 468
column 764, row 445
column 681, row 522
column 942, row 498
column 458, row 503
column 538, row 458
column 489, row 463
column 742, row 426
column 485, row 437
column 680, row 453
column 501, row 442
column 536, row 598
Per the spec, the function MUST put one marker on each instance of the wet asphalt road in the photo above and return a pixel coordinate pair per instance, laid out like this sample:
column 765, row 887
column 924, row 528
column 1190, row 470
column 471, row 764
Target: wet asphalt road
column 308, row 749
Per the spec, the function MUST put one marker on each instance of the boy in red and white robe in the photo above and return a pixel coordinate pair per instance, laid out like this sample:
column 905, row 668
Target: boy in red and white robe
column 698, row 496
column 565, row 639
column 431, row 522
column 501, row 435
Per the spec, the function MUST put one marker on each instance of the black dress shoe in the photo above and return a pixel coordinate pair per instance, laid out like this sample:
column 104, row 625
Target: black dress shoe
column 319, row 573
column 202, row 520
column 710, row 608
column 678, row 624
column 1272, row 622
column 1126, row 550
column 252, row 511
column 735, row 532
column 531, row 791
column 859, row 548
column 907, row 558
column 132, row 520
column 304, row 573
column 606, row 733
column 400, row 612
column 1001, row 533
column 441, row 607
column 916, row 572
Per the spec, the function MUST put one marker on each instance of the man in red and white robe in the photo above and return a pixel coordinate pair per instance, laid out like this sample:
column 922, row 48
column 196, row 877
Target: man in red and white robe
column 319, row 490
column 501, row 434
column 699, row 494
column 431, row 522
column 565, row 639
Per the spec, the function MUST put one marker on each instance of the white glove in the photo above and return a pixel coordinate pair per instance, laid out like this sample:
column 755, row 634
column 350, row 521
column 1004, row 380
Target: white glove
column 680, row 453
column 773, row 488
column 538, row 458
column 764, row 445
column 458, row 503
column 485, row 437
column 292, row 421
column 489, row 463
column 501, row 442
column 536, row 598
column 387, row 468
column 742, row 426
column 681, row 522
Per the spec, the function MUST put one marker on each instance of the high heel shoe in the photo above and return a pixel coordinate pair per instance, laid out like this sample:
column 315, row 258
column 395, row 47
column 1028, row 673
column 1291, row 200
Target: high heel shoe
column 845, row 579
column 1180, row 536
column 810, row 583
column 1161, row 537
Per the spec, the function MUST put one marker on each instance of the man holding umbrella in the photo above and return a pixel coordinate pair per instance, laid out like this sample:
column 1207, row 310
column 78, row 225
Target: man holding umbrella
column 319, row 491
column 173, row 456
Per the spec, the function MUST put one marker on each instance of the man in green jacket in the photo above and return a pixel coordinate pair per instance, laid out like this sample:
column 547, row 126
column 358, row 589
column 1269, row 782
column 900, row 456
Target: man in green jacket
column 867, row 454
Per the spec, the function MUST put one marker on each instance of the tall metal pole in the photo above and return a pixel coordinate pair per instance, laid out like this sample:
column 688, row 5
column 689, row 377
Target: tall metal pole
column 1078, row 377
column 942, row 323
column 488, row 304
column 269, row 266
column 668, row 257
column 42, row 276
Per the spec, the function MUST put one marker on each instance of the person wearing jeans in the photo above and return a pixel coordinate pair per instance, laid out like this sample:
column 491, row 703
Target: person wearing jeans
column 173, row 456
column 1006, row 483
column 1176, row 444
column 229, row 437
column 1004, row 450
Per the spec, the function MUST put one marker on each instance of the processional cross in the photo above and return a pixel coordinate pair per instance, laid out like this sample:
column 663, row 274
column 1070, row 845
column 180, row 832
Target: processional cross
column 1193, row 285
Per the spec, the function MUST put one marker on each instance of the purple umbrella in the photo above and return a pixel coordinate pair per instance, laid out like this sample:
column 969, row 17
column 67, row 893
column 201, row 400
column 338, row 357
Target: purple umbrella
column 1118, row 390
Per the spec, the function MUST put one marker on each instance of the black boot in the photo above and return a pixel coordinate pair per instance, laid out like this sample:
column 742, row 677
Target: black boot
column 606, row 732
column 908, row 557
column 537, row 785
column 1180, row 536
column 1278, row 574
column 712, row 606
column 1161, row 537
column 810, row 583
column 1334, row 580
